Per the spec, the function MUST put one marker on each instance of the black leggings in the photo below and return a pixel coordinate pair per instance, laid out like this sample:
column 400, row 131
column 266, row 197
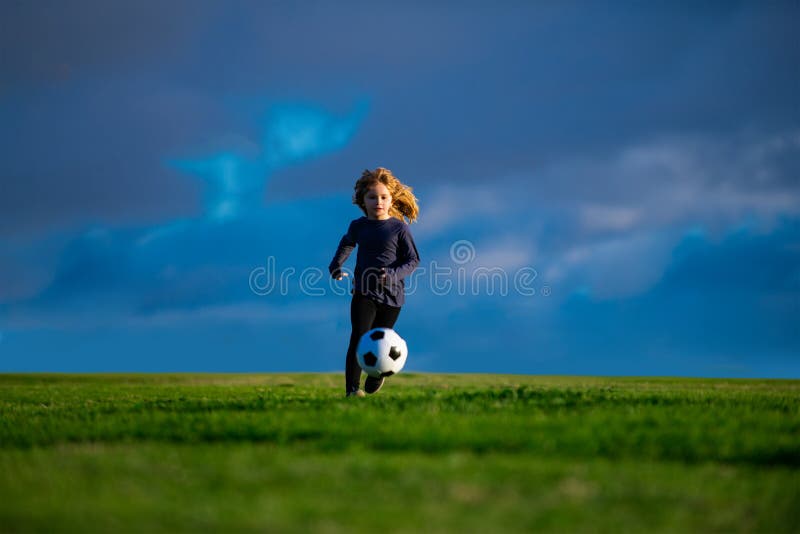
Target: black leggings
column 365, row 314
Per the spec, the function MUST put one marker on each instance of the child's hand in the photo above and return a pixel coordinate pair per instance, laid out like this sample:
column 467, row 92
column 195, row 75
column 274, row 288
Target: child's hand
column 340, row 276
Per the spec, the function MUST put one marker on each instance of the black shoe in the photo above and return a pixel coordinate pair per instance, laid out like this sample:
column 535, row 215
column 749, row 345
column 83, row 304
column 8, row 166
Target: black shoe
column 372, row 385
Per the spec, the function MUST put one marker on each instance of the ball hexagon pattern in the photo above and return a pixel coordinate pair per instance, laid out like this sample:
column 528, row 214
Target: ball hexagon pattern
column 381, row 352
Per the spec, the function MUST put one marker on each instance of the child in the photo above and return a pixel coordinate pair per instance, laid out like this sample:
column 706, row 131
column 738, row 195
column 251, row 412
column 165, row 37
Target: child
column 386, row 255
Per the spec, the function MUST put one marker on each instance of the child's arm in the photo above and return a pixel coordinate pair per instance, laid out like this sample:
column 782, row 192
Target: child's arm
column 407, row 257
column 346, row 246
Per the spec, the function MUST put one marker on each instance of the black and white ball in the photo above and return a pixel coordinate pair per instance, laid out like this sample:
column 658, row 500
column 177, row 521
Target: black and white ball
column 381, row 352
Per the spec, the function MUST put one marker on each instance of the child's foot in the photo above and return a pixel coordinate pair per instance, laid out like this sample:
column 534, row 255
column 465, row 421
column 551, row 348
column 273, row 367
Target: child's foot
column 356, row 393
column 372, row 385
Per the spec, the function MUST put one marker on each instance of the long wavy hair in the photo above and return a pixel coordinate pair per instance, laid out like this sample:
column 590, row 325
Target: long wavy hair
column 404, row 203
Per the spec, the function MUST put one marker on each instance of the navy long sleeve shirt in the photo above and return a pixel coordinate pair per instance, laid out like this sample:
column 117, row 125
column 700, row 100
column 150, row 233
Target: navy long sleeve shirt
column 382, row 244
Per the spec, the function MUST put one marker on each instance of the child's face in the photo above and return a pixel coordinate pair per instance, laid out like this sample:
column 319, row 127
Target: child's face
column 377, row 201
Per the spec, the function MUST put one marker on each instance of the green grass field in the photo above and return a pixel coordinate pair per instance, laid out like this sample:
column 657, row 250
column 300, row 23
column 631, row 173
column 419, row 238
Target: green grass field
column 475, row 453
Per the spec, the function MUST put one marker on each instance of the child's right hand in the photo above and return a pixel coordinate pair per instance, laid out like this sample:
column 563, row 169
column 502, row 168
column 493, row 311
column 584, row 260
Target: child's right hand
column 340, row 275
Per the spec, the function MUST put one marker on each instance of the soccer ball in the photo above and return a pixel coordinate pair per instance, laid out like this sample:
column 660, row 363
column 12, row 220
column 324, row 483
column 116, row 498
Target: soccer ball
column 381, row 352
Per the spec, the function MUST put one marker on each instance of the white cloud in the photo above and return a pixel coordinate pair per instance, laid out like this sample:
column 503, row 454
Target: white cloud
column 707, row 180
column 616, row 267
column 615, row 218
column 508, row 252
column 611, row 223
column 668, row 182
column 448, row 206
column 673, row 181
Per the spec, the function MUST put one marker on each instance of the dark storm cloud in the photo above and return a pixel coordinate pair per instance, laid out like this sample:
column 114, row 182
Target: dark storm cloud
column 86, row 117
column 49, row 42
column 578, row 86
column 91, row 152
column 95, row 94
column 539, row 86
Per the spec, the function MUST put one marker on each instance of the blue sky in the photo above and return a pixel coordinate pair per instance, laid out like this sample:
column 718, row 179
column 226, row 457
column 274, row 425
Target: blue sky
column 635, row 167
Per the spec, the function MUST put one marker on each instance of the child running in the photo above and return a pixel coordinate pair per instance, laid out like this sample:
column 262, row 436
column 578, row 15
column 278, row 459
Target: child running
column 386, row 255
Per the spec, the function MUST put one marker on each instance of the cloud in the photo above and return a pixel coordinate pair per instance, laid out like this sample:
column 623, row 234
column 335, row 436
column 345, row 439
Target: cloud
column 90, row 151
column 609, row 218
column 733, row 300
column 25, row 268
column 721, row 182
column 446, row 206
column 103, row 274
column 536, row 86
column 182, row 265
column 291, row 134
column 508, row 252
column 297, row 133
column 745, row 260
column 645, row 196
column 613, row 268
column 94, row 150
column 610, row 222
column 49, row 42
column 713, row 306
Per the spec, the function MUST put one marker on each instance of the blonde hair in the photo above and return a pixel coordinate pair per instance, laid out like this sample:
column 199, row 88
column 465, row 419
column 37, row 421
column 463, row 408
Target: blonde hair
column 404, row 203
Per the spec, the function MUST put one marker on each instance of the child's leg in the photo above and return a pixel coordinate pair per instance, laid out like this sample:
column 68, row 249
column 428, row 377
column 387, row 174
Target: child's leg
column 362, row 314
column 385, row 316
